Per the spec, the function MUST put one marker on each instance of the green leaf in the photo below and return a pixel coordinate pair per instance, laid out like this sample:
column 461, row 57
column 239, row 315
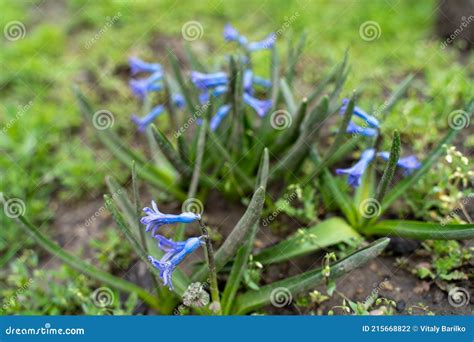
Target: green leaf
column 120, row 196
column 237, row 272
column 288, row 96
column 170, row 153
column 252, row 300
column 239, row 234
column 262, row 174
column 422, row 230
column 390, row 167
column 179, row 78
column 308, row 240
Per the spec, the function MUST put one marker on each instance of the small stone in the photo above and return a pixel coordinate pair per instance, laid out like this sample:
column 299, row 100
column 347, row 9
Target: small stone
column 400, row 307
column 376, row 312
column 386, row 285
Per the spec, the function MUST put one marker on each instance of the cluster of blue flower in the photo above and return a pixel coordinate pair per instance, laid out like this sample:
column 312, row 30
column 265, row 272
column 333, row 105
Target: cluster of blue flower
column 175, row 252
column 211, row 84
column 152, row 83
column 355, row 172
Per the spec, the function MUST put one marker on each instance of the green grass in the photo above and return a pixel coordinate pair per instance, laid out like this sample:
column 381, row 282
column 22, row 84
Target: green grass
column 49, row 159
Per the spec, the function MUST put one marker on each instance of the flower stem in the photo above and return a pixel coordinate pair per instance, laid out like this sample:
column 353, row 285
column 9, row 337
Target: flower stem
column 212, row 269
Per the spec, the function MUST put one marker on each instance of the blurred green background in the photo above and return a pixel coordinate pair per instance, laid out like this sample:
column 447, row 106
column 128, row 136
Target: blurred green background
column 51, row 161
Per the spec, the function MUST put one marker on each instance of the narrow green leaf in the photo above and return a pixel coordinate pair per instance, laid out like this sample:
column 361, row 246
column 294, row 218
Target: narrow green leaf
column 237, row 272
column 308, row 240
column 239, row 234
column 262, row 174
column 170, row 153
column 120, row 196
column 190, row 103
column 288, row 96
column 422, row 230
column 390, row 167
column 252, row 300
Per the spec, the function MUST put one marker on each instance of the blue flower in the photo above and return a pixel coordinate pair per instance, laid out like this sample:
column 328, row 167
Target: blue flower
column 248, row 81
column 178, row 100
column 231, row 34
column 408, row 163
column 267, row 43
column 355, row 172
column 260, row 106
column 217, row 118
column 138, row 66
column 142, row 123
column 365, row 131
column 262, row 82
column 372, row 121
column 155, row 219
column 217, row 91
column 206, row 81
column 141, row 87
column 175, row 253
